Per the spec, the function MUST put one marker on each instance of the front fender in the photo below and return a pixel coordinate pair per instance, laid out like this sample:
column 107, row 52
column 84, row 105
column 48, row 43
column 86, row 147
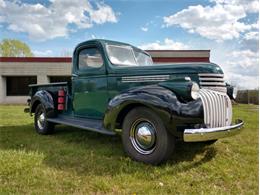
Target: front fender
column 162, row 101
column 46, row 99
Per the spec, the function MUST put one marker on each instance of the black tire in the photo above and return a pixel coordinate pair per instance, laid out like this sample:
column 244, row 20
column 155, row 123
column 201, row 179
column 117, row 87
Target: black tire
column 41, row 125
column 159, row 149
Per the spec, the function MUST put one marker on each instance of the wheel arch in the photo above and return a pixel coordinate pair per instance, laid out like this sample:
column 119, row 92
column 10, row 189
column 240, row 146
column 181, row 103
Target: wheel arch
column 46, row 99
column 122, row 114
column 34, row 105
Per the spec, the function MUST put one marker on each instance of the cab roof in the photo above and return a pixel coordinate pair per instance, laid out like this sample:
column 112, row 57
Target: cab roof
column 106, row 41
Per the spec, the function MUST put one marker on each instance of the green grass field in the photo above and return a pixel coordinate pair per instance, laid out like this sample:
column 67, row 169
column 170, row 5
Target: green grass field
column 74, row 161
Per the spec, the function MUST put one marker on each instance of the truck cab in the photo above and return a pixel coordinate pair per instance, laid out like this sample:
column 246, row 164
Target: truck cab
column 115, row 89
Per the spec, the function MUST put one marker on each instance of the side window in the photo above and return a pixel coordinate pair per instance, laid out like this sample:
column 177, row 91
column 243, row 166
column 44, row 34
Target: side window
column 90, row 58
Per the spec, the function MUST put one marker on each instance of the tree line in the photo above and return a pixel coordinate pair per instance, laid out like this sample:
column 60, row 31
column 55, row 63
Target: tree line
column 14, row 48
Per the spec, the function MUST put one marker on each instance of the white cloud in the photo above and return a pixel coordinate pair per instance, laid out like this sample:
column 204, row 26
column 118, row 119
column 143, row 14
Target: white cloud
column 45, row 53
column 218, row 22
column 48, row 22
column 254, row 35
column 250, row 40
column 2, row 3
column 145, row 29
column 245, row 59
column 243, row 81
column 103, row 14
column 93, row 36
column 242, row 68
column 250, row 6
column 166, row 44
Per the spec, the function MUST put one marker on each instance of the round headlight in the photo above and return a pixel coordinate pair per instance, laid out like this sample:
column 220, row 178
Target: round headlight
column 195, row 89
column 234, row 94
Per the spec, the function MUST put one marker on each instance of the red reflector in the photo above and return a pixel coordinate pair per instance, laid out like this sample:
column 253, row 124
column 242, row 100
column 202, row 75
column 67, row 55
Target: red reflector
column 61, row 92
column 60, row 106
column 61, row 100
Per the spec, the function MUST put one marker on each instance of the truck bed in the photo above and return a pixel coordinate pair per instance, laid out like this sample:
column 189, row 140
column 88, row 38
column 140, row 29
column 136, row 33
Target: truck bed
column 51, row 87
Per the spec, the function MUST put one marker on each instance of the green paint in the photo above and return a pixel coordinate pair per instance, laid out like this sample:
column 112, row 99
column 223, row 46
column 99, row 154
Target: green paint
column 93, row 88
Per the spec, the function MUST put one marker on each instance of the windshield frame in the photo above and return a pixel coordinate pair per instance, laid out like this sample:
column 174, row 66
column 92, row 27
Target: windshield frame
column 132, row 49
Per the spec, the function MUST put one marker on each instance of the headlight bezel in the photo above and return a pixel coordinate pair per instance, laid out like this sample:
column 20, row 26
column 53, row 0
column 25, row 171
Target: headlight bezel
column 194, row 91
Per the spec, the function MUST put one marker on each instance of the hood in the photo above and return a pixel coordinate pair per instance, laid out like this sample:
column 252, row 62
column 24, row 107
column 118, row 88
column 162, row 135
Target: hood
column 175, row 68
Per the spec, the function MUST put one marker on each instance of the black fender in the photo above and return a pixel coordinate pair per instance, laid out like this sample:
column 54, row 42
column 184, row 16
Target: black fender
column 161, row 100
column 46, row 99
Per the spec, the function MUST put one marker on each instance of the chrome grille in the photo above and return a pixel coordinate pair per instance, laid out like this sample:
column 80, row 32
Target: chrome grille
column 217, row 108
column 213, row 81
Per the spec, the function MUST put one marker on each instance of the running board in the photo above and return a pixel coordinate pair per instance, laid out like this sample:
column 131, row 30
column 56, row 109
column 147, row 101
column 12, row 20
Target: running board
column 82, row 123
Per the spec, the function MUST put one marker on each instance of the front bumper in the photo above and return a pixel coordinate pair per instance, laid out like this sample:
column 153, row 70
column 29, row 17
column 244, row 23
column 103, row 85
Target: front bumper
column 206, row 134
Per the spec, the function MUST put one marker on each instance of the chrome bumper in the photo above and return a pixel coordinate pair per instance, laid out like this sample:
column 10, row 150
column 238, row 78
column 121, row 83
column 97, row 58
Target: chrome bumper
column 205, row 134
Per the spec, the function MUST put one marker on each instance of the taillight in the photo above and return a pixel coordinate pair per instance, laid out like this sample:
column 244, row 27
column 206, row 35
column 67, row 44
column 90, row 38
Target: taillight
column 61, row 92
column 61, row 107
column 61, row 99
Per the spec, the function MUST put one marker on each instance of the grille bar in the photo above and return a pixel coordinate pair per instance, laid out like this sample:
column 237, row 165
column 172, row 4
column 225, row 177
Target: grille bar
column 217, row 108
column 211, row 75
column 212, row 83
column 210, row 79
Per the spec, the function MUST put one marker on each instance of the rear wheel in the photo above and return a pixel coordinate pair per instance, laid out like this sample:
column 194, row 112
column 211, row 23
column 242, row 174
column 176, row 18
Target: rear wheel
column 145, row 138
column 41, row 125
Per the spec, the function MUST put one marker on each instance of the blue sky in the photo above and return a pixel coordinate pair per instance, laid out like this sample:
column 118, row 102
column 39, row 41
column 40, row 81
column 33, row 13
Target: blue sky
column 230, row 29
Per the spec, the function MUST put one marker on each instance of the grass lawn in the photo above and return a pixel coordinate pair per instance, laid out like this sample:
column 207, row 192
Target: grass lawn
column 74, row 161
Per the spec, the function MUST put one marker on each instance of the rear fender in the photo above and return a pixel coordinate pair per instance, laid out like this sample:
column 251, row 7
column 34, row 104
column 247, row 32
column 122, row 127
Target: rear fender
column 46, row 99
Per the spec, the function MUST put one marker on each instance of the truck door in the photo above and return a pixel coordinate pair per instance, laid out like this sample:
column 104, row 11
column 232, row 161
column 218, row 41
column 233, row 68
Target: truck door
column 89, row 83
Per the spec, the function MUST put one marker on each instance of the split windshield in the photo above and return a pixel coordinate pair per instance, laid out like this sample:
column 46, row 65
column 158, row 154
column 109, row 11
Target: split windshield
column 123, row 55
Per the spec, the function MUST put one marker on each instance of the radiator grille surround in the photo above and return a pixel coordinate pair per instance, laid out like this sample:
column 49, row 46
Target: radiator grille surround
column 217, row 108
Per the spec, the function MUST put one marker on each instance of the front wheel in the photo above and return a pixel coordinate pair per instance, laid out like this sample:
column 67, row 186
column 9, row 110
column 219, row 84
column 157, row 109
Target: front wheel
column 41, row 125
column 145, row 138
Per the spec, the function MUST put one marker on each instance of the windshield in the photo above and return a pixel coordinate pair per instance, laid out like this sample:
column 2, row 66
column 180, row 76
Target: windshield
column 123, row 55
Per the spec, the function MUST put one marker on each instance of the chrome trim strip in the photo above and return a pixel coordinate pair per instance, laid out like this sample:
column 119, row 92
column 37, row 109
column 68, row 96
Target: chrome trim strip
column 211, row 79
column 229, row 111
column 213, row 83
column 206, row 134
column 225, row 112
column 205, row 107
column 210, row 75
column 145, row 78
column 153, row 76
column 222, row 110
column 211, row 111
column 216, row 104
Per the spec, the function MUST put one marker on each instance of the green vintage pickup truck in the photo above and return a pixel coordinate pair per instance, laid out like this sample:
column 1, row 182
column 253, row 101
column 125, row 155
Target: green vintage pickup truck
column 116, row 89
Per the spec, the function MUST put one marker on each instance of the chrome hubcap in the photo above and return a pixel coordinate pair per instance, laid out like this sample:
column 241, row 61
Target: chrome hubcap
column 143, row 136
column 41, row 121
